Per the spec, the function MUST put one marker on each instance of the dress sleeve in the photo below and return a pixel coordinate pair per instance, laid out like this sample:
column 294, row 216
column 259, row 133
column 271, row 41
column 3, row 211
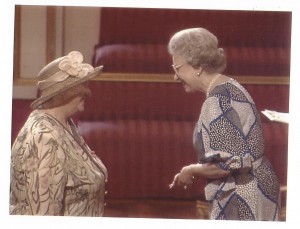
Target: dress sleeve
column 46, row 176
column 222, row 136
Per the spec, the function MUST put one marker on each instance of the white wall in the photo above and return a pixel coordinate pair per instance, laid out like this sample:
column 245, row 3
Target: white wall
column 77, row 28
column 82, row 30
column 33, row 40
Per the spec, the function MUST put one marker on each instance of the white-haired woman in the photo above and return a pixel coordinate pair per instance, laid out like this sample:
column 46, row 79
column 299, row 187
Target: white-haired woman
column 228, row 138
column 53, row 171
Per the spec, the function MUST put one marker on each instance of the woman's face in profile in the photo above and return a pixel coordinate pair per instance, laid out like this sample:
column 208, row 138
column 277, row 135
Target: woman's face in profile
column 77, row 104
column 184, row 73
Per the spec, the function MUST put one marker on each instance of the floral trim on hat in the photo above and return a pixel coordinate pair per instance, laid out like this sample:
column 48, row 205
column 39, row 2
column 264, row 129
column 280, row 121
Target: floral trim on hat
column 73, row 65
column 70, row 66
column 62, row 74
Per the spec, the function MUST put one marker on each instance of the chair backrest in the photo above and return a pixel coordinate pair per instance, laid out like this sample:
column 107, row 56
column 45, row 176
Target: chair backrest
column 156, row 26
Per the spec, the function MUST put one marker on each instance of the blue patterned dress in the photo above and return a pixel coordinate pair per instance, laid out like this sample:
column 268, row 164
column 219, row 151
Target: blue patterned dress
column 229, row 133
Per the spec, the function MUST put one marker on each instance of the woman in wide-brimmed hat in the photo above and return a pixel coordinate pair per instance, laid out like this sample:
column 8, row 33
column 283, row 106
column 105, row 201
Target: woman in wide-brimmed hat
column 53, row 171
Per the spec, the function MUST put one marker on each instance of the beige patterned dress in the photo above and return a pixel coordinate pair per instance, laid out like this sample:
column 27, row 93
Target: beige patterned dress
column 229, row 133
column 53, row 171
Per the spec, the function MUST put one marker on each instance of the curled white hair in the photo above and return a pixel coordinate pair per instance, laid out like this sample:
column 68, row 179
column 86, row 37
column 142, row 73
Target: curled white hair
column 198, row 47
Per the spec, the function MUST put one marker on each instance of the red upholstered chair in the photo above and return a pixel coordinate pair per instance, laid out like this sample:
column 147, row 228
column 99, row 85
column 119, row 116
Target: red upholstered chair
column 135, row 39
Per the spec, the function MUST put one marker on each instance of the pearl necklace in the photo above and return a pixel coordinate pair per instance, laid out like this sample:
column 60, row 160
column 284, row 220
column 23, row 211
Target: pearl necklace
column 211, row 84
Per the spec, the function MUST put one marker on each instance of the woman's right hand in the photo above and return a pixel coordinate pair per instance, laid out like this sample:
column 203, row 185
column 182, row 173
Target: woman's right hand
column 184, row 178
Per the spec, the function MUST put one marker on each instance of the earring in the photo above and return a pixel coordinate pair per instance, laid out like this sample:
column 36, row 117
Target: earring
column 200, row 73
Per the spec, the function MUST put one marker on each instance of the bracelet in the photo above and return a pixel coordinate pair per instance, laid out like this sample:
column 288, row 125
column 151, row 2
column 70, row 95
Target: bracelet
column 191, row 171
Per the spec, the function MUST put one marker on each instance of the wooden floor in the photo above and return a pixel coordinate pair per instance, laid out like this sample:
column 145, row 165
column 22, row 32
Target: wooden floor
column 160, row 209
column 169, row 209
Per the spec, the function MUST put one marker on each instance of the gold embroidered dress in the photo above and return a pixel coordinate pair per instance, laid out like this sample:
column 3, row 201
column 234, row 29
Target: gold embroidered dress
column 53, row 171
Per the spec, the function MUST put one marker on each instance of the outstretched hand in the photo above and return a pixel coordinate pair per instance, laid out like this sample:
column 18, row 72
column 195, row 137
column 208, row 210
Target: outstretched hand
column 184, row 178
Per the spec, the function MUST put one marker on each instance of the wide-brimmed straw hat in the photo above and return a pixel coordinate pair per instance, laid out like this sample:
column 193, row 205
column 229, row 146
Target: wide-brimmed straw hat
column 62, row 74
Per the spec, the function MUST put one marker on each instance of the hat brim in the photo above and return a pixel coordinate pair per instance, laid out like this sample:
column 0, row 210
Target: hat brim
column 69, row 83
